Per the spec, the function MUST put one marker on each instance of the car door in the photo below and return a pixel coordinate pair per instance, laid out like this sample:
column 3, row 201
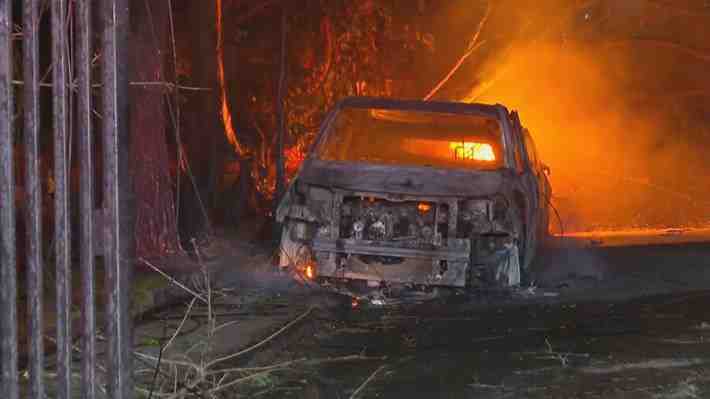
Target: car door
column 530, row 188
column 543, row 182
column 527, row 172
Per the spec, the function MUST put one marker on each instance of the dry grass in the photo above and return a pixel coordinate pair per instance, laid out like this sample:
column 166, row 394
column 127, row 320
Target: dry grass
column 199, row 371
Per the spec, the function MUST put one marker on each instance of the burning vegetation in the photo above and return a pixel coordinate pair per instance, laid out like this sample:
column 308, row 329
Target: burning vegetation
column 580, row 74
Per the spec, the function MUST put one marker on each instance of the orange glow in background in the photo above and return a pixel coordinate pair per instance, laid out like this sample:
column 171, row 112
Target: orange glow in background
column 613, row 165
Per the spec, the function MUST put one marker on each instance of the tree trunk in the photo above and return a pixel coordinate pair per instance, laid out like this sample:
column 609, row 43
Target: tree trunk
column 156, row 225
column 203, row 133
column 244, row 191
column 281, row 133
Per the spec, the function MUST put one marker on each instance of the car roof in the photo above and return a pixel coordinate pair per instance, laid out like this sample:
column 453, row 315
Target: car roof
column 419, row 105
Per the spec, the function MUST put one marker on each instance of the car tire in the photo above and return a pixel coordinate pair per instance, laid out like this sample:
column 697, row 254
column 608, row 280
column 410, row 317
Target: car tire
column 544, row 236
column 489, row 276
column 526, row 254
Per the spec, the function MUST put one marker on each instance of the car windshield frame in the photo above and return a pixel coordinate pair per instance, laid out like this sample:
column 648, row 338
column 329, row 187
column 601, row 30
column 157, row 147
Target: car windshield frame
column 427, row 109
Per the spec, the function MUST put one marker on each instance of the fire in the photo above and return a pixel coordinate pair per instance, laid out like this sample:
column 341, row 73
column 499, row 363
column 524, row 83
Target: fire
column 226, row 113
column 266, row 185
column 265, row 174
column 423, row 207
column 473, row 151
column 309, row 272
column 294, row 156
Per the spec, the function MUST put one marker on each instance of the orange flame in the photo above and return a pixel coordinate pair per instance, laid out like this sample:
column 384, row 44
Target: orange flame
column 423, row 207
column 474, row 151
column 226, row 113
column 294, row 156
column 310, row 272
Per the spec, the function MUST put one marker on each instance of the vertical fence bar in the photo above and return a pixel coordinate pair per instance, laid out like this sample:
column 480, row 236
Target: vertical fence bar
column 86, row 201
column 118, row 201
column 8, row 257
column 61, row 198
column 30, row 74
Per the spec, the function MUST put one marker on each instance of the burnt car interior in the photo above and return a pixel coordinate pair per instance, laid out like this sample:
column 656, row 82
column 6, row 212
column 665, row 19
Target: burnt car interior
column 413, row 138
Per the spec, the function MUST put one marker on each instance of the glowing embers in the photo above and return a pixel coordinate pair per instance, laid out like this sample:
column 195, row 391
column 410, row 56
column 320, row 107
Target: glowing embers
column 309, row 271
column 423, row 207
column 473, row 151
column 306, row 269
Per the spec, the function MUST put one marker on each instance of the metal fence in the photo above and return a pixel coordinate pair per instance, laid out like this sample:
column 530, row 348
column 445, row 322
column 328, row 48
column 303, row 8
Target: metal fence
column 71, row 88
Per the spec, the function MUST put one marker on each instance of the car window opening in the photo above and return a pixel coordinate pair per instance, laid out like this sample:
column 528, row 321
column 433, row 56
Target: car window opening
column 413, row 138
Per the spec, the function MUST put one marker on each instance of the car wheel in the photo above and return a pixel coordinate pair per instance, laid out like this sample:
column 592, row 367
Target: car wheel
column 544, row 236
column 525, row 256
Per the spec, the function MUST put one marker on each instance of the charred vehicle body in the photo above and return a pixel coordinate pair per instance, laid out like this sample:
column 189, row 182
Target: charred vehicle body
column 418, row 194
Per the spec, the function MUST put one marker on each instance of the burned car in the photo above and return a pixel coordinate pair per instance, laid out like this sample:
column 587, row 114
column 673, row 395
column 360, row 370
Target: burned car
column 416, row 193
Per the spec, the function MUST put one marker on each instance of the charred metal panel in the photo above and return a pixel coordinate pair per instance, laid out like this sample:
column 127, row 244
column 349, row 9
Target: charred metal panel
column 453, row 218
column 411, row 271
column 456, row 250
column 417, row 181
column 426, row 106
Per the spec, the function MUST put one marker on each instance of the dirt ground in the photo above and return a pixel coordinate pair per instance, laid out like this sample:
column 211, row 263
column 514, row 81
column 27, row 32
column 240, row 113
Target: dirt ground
column 602, row 321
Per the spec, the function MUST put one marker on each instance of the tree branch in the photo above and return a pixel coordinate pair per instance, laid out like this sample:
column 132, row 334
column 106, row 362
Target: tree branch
column 263, row 342
column 472, row 46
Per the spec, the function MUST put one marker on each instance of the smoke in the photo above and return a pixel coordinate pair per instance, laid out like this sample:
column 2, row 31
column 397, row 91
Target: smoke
column 613, row 93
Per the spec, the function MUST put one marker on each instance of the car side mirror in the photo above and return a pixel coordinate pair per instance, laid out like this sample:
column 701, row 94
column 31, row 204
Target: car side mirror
column 546, row 169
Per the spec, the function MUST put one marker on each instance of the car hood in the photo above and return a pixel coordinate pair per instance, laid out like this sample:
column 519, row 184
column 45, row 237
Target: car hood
column 424, row 181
